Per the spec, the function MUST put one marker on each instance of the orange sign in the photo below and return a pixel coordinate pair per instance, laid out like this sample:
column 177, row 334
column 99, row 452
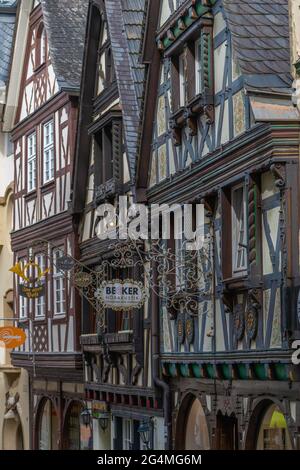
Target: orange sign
column 11, row 337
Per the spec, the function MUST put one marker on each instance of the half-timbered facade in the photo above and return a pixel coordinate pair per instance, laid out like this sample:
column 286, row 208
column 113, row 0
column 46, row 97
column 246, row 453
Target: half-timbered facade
column 43, row 104
column 13, row 381
column 223, row 132
column 119, row 372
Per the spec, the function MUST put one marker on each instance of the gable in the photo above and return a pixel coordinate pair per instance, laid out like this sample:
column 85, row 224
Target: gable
column 39, row 82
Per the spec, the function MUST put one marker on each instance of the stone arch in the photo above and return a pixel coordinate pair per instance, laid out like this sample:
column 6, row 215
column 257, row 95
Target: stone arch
column 192, row 418
column 71, row 424
column 259, row 412
column 47, row 425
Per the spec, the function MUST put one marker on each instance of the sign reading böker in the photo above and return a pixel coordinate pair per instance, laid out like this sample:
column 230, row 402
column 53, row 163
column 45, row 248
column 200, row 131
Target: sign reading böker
column 121, row 295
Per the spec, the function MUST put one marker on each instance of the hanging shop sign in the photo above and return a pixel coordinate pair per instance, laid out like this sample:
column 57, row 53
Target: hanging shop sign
column 65, row 263
column 121, row 295
column 31, row 277
column 83, row 280
column 99, row 408
column 11, row 337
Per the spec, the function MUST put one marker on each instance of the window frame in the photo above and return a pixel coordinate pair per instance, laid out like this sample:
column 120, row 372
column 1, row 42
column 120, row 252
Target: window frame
column 41, row 301
column 58, row 280
column 32, row 162
column 236, row 229
column 23, row 310
column 198, row 67
column 48, row 149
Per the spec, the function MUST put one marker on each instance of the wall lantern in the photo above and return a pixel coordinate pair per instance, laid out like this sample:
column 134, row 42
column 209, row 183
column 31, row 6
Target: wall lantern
column 145, row 432
column 86, row 417
column 103, row 420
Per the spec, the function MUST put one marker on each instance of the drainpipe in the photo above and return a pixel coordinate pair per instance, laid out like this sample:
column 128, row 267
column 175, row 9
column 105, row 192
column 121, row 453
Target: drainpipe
column 155, row 363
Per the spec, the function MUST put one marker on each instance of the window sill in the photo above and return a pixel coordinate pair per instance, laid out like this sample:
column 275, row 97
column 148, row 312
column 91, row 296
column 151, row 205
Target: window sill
column 59, row 316
column 47, row 185
column 30, row 194
column 236, row 282
column 40, row 319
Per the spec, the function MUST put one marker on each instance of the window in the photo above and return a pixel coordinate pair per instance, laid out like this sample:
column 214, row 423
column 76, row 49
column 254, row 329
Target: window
column 198, row 67
column 106, row 72
column 31, row 152
column 127, row 434
column 40, row 303
column 182, row 80
column 43, row 46
column 23, row 302
column 48, row 151
column 239, row 233
column 103, row 155
column 58, row 286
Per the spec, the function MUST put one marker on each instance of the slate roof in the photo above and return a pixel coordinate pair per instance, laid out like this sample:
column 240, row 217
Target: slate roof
column 7, row 28
column 65, row 22
column 260, row 34
column 126, row 22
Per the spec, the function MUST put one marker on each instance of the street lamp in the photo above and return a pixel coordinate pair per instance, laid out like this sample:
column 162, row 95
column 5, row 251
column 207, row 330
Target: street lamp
column 144, row 430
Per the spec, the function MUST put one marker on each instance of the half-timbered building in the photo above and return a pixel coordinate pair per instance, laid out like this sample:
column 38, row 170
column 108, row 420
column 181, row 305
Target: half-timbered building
column 120, row 376
column 223, row 132
column 13, row 381
column 42, row 108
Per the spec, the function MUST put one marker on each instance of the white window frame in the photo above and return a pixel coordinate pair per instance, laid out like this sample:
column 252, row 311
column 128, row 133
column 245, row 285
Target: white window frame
column 40, row 303
column 238, row 245
column 43, row 46
column 182, row 80
column 31, row 162
column 127, row 427
column 48, row 151
column 59, row 287
column 23, row 302
column 198, row 67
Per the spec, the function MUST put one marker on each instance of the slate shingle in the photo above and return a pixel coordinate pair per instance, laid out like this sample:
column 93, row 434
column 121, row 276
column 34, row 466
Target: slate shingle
column 7, row 28
column 126, row 23
column 65, row 22
column 260, row 36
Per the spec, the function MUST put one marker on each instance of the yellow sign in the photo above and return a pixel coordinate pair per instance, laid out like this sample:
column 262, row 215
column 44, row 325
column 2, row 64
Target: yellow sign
column 11, row 337
column 32, row 286
column 23, row 272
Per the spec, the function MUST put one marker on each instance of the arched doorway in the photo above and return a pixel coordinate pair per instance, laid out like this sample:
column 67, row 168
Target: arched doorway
column 192, row 430
column 268, row 428
column 72, row 427
column 48, row 429
column 227, row 432
column 273, row 432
